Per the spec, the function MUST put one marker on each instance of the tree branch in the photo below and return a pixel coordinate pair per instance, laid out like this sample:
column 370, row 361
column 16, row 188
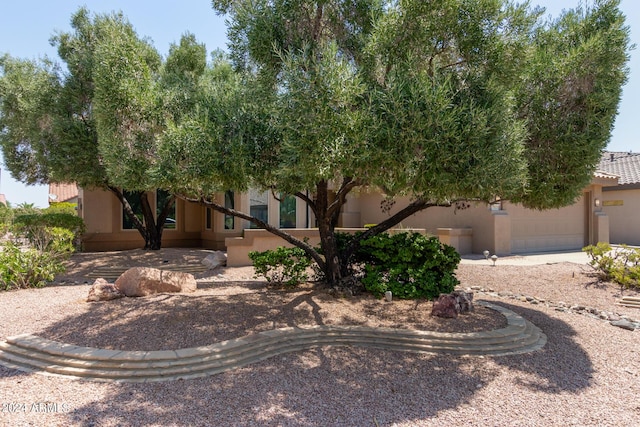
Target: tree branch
column 308, row 249
column 348, row 184
column 414, row 207
column 462, row 61
column 128, row 210
column 164, row 213
column 305, row 199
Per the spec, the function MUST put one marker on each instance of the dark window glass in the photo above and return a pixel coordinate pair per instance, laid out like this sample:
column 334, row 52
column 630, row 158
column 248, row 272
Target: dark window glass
column 207, row 224
column 134, row 200
column 287, row 211
column 229, row 220
column 161, row 198
column 258, row 206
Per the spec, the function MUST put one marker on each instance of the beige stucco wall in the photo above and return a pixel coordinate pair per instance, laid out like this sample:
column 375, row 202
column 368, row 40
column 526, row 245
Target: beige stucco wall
column 624, row 219
column 95, row 209
column 504, row 230
column 511, row 229
column 478, row 217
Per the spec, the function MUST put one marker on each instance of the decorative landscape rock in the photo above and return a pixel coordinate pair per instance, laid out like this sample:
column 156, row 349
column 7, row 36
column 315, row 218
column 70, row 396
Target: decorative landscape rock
column 450, row 305
column 624, row 324
column 464, row 301
column 445, row 306
column 615, row 319
column 215, row 259
column 143, row 281
column 101, row 290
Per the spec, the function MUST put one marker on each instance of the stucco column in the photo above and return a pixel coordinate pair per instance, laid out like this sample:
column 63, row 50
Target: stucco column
column 600, row 227
column 599, row 220
column 501, row 233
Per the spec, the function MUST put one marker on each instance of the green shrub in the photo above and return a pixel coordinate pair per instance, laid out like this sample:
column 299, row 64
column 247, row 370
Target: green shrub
column 410, row 265
column 6, row 219
column 620, row 265
column 30, row 267
column 31, row 226
column 61, row 207
column 281, row 267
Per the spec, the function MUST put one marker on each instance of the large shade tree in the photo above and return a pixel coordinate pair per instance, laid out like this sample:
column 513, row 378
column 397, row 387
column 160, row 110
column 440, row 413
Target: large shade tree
column 68, row 124
column 439, row 101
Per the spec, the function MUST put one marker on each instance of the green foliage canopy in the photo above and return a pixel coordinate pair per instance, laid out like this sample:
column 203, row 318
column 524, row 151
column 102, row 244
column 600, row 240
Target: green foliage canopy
column 439, row 101
column 436, row 100
column 95, row 121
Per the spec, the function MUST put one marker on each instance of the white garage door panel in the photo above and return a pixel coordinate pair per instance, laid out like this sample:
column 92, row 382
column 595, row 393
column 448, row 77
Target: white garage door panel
column 554, row 230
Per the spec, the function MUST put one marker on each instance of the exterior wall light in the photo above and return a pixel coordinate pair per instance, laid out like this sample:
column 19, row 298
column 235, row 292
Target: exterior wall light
column 597, row 202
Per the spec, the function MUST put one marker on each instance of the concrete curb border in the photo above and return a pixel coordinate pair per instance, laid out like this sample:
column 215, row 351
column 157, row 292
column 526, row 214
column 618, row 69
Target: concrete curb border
column 30, row 353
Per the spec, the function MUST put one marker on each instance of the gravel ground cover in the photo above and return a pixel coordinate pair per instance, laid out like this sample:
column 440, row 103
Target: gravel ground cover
column 588, row 374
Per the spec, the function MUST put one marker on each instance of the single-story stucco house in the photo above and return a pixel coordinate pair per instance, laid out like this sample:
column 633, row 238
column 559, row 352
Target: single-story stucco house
column 503, row 228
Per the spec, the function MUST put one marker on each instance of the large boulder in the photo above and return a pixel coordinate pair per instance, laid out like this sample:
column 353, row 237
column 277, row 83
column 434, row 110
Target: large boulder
column 143, row 281
column 101, row 290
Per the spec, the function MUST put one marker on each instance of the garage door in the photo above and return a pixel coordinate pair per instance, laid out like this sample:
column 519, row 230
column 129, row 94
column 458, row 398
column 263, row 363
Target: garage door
column 552, row 230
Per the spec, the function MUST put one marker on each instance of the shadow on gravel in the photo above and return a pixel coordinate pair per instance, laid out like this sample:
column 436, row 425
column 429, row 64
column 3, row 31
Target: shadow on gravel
column 171, row 321
column 561, row 366
column 324, row 386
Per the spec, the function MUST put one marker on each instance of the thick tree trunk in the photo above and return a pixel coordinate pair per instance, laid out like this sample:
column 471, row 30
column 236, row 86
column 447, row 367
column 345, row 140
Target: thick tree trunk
column 149, row 229
column 152, row 239
column 327, row 216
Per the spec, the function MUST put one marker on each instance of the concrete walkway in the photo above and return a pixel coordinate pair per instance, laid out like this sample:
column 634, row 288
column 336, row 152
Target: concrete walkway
column 577, row 257
column 35, row 354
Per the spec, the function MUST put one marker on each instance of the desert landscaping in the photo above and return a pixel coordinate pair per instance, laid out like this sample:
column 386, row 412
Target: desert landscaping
column 586, row 374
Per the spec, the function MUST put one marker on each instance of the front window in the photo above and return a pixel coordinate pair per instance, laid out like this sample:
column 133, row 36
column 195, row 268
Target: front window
column 161, row 198
column 287, row 211
column 258, row 206
column 207, row 222
column 133, row 197
column 229, row 220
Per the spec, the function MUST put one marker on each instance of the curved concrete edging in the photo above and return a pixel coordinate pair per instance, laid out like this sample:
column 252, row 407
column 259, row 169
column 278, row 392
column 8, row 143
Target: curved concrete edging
column 34, row 354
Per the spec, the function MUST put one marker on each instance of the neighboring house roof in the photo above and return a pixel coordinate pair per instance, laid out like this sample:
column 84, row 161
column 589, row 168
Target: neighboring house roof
column 626, row 165
column 602, row 174
column 62, row 192
column 3, row 199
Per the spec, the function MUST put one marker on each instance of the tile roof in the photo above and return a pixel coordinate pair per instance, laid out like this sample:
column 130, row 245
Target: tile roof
column 63, row 192
column 601, row 174
column 624, row 164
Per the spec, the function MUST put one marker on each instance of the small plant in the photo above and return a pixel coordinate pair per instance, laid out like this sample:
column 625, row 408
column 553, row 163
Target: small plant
column 281, row 267
column 620, row 265
column 29, row 268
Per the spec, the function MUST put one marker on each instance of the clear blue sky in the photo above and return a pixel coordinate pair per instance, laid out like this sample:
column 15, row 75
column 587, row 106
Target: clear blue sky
column 27, row 26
